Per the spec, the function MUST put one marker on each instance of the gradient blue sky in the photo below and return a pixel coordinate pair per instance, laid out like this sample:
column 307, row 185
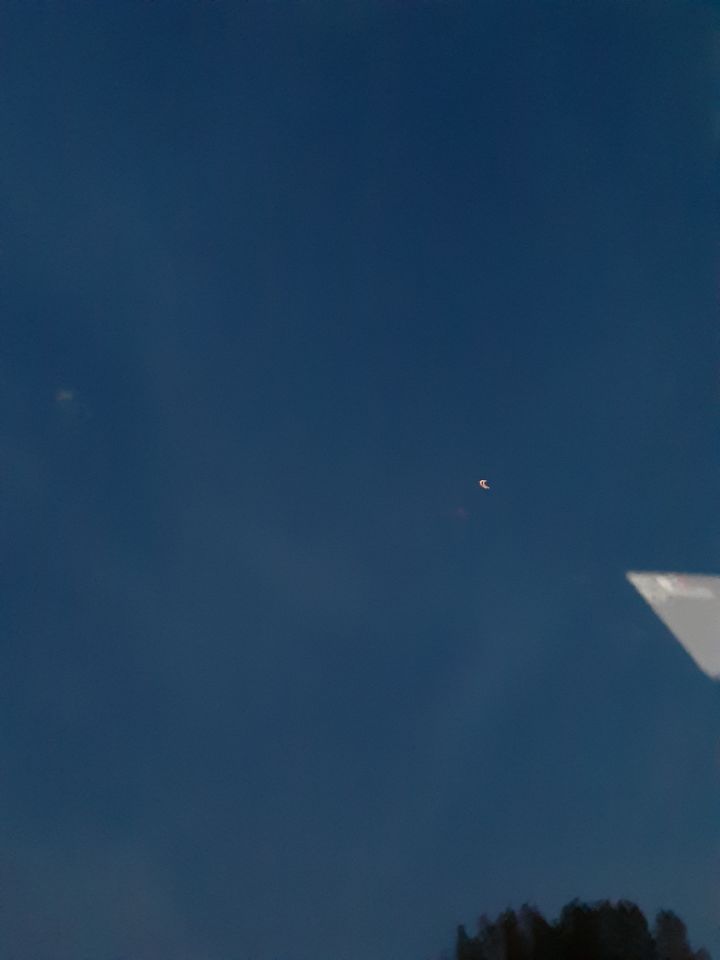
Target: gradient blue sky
column 278, row 681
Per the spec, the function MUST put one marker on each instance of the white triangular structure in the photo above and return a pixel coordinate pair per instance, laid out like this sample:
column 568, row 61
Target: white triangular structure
column 689, row 606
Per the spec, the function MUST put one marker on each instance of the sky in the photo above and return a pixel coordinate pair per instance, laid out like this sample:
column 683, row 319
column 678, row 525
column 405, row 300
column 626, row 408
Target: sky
column 280, row 281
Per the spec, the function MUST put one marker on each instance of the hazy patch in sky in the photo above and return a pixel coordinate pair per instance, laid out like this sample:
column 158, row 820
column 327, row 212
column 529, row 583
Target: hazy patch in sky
column 55, row 908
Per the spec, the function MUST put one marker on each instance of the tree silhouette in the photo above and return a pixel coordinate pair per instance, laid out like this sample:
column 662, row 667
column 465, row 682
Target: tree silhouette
column 516, row 946
column 541, row 936
column 671, row 941
column 599, row 931
column 579, row 933
column 466, row 948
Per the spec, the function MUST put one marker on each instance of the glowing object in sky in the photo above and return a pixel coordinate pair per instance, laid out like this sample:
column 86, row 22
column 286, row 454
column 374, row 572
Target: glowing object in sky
column 484, row 484
column 689, row 606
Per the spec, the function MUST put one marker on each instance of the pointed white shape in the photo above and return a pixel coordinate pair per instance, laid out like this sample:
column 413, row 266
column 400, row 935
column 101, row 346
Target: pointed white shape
column 689, row 606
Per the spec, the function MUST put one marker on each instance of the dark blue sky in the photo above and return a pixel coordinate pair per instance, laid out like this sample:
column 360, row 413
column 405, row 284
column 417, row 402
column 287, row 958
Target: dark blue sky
column 279, row 682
